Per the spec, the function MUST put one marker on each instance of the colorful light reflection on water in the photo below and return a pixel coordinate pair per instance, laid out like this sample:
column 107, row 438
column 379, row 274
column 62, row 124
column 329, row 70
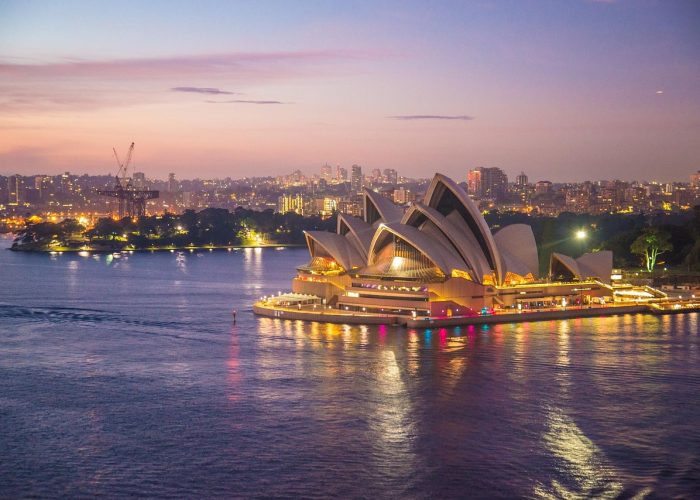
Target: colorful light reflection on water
column 125, row 376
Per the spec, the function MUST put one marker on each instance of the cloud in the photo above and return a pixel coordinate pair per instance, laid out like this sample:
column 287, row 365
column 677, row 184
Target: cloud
column 236, row 64
column 79, row 85
column 203, row 90
column 246, row 101
column 432, row 117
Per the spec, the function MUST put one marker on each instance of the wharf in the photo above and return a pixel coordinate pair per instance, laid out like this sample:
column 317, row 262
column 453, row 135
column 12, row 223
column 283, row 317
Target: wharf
column 352, row 317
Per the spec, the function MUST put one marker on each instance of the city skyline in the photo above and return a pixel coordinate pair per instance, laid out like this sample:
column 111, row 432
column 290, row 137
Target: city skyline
column 604, row 90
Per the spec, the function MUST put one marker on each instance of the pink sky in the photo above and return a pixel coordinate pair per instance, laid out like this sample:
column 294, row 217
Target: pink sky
column 565, row 95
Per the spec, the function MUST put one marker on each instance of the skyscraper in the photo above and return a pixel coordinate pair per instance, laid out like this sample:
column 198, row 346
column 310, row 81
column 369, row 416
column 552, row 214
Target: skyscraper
column 521, row 180
column 172, row 183
column 139, row 180
column 16, row 190
column 474, row 182
column 326, row 172
column 39, row 185
column 290, row 203
column 487, row 182
column 695, row 179
column 341, row 174
column 356, row 179
column 390, row 176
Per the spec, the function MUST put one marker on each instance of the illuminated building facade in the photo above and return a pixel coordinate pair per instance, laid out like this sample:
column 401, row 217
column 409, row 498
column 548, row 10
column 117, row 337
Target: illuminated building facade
column 356, row 179
column 439, row 258
column 290, row 203
column 487, row 182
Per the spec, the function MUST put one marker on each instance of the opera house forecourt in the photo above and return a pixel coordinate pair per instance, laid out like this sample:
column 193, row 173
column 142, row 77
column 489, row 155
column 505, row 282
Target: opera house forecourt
column 438, row 263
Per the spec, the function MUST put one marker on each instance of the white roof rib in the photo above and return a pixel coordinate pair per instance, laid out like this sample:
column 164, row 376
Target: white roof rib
column 388, row 211
column 361, row 232
column 337, row 247
column 468, row 248
column 477, row 224
column 518, row 249
column 478, row 258
column 439, row 252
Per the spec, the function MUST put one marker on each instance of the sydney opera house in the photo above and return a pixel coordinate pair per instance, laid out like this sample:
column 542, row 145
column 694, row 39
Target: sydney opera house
column 439, row 258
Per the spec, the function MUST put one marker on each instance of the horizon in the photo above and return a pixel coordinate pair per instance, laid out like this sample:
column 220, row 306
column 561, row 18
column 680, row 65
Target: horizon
column 311, row 175
column 566, row 92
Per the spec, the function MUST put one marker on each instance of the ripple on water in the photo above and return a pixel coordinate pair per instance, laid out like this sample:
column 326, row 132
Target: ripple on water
column 132, row 381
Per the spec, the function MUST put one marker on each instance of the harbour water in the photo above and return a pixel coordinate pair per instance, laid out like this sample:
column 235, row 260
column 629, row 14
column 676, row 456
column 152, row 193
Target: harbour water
column 126, row 376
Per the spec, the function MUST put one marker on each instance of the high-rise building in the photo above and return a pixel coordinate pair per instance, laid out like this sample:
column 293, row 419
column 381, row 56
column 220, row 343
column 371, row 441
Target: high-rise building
column 66, row 185
column 474, row 182
column 16, row 190
column 487, row 182
column 40, row 184
column 330, row 205
column 521, row 180
column 297, row 178
column 390, row 176
column 376, row 175
column 326, row 172
column 4, row 184
column 341, row 174
column 356, row 179
column 290, row 203
column 402, row 196
column 695, row 179
column 543, row 187
column 173, row 186
column 139, row 180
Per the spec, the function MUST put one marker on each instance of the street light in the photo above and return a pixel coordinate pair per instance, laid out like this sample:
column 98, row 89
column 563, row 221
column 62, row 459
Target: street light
column 581, row 234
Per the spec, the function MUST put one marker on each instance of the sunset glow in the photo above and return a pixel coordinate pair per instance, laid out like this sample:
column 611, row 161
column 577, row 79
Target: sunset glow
column 565, row 91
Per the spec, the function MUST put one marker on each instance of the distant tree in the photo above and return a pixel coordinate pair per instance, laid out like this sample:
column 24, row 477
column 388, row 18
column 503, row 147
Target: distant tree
column 106, row 228
column 650, row 244
column 692, row 258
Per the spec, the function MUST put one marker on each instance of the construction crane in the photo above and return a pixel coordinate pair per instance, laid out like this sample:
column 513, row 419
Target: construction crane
column 132, row 200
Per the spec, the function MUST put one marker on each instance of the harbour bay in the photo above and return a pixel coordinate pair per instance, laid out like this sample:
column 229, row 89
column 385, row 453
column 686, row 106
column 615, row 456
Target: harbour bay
column 126, row 375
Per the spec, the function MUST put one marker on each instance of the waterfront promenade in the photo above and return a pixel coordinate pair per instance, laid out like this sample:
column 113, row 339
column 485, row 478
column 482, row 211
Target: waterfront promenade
column 325, row 314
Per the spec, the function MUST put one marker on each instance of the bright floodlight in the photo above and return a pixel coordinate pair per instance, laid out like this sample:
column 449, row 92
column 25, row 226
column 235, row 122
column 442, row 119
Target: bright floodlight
column 581, row 234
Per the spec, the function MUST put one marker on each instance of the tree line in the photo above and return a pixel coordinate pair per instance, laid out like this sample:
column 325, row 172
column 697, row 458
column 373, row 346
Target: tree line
column 636, row 240
column 209, row 227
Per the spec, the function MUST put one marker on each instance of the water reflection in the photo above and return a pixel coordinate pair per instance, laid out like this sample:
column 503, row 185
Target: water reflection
column 581, row 470
column 233, row 364
column 391, row 422
column 181, row 262
column 571, row 409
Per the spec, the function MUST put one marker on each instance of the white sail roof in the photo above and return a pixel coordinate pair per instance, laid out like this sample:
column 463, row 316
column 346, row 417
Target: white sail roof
column 357, row 231
column 446, row 230
column 596, row 265
column 377, row 208
column 335, row 245
column 448, row 198
column 518, row 249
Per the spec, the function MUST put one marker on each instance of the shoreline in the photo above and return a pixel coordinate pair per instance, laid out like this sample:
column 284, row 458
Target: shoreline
column 155, row 249
column 339, row 317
